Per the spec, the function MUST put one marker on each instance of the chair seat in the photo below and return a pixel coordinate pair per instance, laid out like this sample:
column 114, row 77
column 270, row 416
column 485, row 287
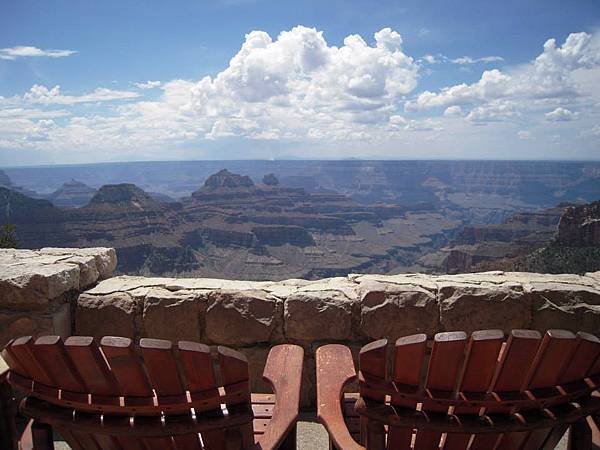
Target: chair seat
column 351, row 417
column 262, row 407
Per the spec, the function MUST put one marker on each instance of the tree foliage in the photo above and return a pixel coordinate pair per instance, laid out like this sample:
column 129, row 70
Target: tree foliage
column 8, row 236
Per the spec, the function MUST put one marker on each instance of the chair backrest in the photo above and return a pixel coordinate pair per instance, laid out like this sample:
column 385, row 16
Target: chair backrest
column 477, row 391
column 112, row 394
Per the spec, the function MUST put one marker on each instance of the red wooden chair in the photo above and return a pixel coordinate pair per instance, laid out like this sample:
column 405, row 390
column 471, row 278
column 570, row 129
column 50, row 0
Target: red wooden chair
column 484, row 392
column 156, row 396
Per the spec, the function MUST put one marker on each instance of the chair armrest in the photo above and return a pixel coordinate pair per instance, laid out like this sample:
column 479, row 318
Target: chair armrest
column 283, row 371
column 335, row 369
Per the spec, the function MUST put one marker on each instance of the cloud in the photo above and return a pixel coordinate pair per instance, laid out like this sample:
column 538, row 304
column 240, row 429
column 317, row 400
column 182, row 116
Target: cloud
column 561, row 115
column 296, row 90
column 22, row 51
column 453, row 111
column 549, row 76
column 439, row 59
column 468, row 60
column 496, row 111
column 23, row 113
column 39, row 94
column 147, row 85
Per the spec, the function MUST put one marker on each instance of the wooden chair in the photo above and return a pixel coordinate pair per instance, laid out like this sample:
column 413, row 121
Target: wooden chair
column 483, row 392
column 113, row 395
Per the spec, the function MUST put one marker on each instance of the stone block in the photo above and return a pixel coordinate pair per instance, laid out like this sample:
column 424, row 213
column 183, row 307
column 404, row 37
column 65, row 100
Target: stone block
column 173, row 315
column 318, row 315
column 391, row 310
column 470, row 307
column 107, row 315
column 566, row 306
column 242, row 318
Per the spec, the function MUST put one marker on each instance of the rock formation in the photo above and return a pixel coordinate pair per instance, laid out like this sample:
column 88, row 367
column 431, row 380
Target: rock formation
column 576, row 247
column 270, row 180
column 72, row 194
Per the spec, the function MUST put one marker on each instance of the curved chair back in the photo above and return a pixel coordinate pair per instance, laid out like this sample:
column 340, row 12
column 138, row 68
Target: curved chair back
column 480, row 392
column 110, row 394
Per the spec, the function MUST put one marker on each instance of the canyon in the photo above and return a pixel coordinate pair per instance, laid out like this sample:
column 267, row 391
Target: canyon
column 321, row 219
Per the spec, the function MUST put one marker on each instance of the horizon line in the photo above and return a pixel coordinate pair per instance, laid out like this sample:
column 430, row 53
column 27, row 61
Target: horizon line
column 56, row 165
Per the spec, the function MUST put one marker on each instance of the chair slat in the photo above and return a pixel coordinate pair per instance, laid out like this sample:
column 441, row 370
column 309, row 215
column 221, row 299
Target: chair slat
column 85, row 354
column 582, row 359
column 478, row 370
column 107, row 442
column 482, row 355
column 446, row 356
column 516, row 359
column 444, row 365
column 409, row 352
column 12, row 361
column 22, row 350
column 86, row 440
column 161, row 366
column 197, row 365
column 373, row 366
column 554, row 353
column 50, row 352
column 125, row 366
column 409, row 355
column 511, row 373
column 234, row 370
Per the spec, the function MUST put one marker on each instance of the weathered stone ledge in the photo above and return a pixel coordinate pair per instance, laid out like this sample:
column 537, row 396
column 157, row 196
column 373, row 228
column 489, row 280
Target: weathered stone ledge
column 39, row 288
column 252, row 316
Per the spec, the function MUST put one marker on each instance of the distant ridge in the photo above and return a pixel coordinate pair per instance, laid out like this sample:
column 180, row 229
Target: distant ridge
column 72, row 194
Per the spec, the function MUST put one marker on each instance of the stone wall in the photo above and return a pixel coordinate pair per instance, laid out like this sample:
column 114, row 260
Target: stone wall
column 253, row 316
column 39, row 288
column 41, row 293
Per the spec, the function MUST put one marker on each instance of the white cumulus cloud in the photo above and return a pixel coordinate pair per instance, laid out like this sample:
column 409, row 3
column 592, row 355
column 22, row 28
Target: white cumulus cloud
column 561, row 115
column 40, row 94
column 549, row 76
column 22, row 51
column 147, row 85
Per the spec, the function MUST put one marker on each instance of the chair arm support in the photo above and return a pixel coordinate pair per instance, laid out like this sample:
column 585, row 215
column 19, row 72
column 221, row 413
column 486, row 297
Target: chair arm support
column 335, row 369
column 283, row 371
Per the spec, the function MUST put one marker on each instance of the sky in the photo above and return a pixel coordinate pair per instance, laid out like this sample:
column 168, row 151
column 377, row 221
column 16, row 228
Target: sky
column 89, row 81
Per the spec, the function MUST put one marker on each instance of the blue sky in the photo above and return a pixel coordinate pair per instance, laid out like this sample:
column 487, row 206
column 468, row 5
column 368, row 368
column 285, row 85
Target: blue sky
column 156, row 80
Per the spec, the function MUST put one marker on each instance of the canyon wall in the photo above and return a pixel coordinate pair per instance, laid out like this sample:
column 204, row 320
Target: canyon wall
column 253, row 316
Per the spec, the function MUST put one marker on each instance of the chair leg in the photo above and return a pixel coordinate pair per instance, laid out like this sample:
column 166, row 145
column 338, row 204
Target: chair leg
column 8, row 413
column 289, row 443
column 580, row 437
column 37, row 436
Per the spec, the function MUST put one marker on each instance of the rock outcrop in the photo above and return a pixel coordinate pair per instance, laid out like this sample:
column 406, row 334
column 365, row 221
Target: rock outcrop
column 72, row 194
column 580, row 226
column 576, row 247
column 270, row 180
